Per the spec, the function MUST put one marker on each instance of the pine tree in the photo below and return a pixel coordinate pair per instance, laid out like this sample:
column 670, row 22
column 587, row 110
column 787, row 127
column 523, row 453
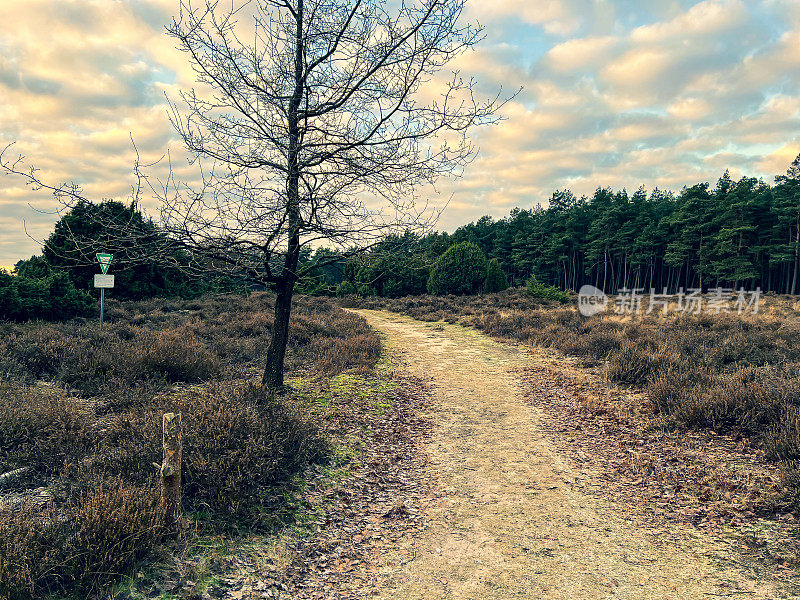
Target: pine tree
column 496, row 280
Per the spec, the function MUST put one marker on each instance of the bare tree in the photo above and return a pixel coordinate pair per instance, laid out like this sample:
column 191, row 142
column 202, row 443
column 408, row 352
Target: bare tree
column 308, row 125
column 313, row 114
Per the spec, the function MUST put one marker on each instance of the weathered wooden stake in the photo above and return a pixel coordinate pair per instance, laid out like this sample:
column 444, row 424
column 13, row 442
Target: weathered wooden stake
column 171, row 470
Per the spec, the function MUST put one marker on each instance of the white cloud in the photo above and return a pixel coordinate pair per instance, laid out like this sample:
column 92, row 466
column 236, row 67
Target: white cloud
column 542, row 12
column 690, row 109
column 617, row 92
column 703, row 19
column 638, row 68
column 580, row 54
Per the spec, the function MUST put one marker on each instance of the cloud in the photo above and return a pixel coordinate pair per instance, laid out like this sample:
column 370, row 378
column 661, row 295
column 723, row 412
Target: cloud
column 580, row 54
column 690, row 109
column 778, row 161
column 704, row 19
column 616, row 93
column 556, row 16
column 76, row 80
column 639, row 68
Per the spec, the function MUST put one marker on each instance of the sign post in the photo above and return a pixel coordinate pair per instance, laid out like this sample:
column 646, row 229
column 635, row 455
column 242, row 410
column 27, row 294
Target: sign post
column 103, row 281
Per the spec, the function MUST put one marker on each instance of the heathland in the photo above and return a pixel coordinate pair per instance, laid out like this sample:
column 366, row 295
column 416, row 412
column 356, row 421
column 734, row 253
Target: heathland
column 694, row 416
column 80, row 429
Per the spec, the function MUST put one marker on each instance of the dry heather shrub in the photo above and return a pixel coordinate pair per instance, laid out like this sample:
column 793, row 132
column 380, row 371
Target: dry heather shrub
column 175, row 355
column 334, row 355
column 637, row 362
column 40, row 432
column 92, row 360
column 253, row 324
column 669, row 389
column 782, row 442
column 750, row 400
column 602, row 343
column 790, row 481
column 305, row 327
column 32, row 352
column 236, row 338
column 56, row 437
column 572, row 343
column 239, row 448
column 239, row 443
column 329, row 340
column 80, row 546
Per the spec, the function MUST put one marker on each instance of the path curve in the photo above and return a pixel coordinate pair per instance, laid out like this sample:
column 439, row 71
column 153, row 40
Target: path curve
column 510, row 523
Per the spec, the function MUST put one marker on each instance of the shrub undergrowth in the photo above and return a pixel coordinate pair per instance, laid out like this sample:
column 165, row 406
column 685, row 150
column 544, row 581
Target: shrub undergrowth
column 81, row 411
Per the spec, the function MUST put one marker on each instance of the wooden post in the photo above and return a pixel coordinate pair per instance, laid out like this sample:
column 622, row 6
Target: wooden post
column 171, row 470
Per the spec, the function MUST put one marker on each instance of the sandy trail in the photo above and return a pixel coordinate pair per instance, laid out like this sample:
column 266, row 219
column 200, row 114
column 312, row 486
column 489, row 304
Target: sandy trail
column 511, row 523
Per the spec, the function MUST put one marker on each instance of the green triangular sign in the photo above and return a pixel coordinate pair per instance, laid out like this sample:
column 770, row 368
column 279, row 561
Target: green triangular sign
column 104, row 260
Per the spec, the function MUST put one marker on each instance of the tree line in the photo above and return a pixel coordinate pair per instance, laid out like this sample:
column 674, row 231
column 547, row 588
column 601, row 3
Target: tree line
column 743, row 233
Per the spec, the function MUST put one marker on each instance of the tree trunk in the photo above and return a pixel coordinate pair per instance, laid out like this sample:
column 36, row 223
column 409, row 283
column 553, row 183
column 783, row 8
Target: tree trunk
column 273, row 371
column 276, row 353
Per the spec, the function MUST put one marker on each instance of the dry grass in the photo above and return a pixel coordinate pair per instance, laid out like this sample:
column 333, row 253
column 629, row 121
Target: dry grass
column 82, row 410
column 165, row 341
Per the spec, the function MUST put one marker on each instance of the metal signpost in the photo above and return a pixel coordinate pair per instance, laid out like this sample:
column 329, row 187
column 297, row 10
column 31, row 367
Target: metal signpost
column 103, row 281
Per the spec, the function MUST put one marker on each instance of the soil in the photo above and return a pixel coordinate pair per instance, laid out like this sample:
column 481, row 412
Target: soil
column 513, row 513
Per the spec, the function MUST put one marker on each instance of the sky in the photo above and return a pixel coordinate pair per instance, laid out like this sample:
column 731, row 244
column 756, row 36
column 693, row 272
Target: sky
column 615, row 93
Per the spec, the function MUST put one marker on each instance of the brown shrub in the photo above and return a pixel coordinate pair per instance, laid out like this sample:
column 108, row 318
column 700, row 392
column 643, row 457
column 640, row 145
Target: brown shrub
column 159, row 341
column 749, row 400
column 602, row 343
column 238, row 444
column 790, row 483
column 43, row 432
column 638, row 362
column 175, row 354
column 669, row 389
column 782, row 442
column 80, row 546
column 334, row 355
column 240, row 448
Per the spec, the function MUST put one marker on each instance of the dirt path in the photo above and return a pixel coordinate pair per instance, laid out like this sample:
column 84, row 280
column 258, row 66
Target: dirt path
column 511, row 523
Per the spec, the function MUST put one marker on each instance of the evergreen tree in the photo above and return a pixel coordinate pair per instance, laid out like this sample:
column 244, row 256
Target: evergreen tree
column 495, row 278
column 786, row 210
column 460, row 270
column 689, row 228
column 739, row 234
column 89, row 228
